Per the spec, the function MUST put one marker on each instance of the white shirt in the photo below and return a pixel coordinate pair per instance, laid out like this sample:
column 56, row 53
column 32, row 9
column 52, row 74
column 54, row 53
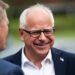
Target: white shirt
column 30, row 69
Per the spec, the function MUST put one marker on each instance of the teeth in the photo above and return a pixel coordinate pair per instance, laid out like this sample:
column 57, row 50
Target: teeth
column 40, row 44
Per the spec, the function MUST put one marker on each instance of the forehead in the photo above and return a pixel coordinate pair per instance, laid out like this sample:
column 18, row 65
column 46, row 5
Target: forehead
column 38, row 17
column 38, row 12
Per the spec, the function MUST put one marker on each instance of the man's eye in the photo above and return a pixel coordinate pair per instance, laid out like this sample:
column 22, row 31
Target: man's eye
column 47, row 31
column 35, row 33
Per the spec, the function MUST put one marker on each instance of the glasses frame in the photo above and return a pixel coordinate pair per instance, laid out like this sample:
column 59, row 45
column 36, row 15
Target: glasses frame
column 37, row 33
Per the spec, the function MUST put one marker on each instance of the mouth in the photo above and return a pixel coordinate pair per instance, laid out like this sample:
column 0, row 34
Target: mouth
column 41, row 45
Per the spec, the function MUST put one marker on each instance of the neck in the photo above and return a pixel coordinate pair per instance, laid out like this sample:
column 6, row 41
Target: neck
column 35, row 59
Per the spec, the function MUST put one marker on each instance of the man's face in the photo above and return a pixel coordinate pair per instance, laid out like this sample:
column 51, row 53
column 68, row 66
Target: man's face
column 3, row 33
column 38, row 46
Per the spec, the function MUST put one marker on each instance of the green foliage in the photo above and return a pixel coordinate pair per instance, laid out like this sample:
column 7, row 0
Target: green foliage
column 65, row 21
column 65, row 25
column 14, row 27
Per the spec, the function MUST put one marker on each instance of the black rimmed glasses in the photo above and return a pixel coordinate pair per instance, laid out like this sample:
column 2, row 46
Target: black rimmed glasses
column 37, row 33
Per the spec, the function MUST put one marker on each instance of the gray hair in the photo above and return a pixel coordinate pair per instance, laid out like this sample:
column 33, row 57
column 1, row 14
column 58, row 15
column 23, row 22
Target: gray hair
column 39, row 6
column 3, row 7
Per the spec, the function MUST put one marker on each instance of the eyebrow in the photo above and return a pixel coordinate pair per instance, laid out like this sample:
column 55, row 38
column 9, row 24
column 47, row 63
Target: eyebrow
column 33, row 29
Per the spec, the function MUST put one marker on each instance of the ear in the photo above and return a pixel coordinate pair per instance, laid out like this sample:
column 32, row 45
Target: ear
column 21, row 33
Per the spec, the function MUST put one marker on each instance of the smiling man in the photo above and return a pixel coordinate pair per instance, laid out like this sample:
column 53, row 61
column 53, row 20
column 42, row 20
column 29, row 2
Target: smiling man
column 38, row 57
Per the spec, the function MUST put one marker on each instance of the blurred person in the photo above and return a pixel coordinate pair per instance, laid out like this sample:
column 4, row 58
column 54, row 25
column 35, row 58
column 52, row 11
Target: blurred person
column 3, row 25
column 6, row 68
column 38, row 57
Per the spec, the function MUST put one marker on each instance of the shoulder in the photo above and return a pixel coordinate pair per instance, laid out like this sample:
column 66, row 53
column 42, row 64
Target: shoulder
column 5, row 64
column 15, row 58
column 69, row 59
column 62, row 53
column 18, row 54
column 7, row 68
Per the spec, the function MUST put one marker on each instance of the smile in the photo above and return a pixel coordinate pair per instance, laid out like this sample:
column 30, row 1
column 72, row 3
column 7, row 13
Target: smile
column 41, row 44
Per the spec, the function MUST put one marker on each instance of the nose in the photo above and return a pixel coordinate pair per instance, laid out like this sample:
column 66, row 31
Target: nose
column 42, row 36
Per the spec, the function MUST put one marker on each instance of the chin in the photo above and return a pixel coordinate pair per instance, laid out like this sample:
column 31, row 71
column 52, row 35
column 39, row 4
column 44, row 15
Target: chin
column 43, row 51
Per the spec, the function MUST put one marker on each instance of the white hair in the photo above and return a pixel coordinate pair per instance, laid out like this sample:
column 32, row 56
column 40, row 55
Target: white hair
column 39, row 6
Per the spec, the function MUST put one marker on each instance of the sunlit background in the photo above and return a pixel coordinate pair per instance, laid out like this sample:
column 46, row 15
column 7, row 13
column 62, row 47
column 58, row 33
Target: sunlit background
column 64, row 14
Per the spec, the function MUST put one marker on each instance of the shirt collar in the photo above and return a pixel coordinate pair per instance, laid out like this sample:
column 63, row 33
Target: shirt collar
column 24, row 58
column 48, row 58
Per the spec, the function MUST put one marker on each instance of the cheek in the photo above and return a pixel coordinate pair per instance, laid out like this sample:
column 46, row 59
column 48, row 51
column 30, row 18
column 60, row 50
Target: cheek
column 3, row 38
column 4, row 35
column 52, row 38
column 3, row 32
column 28, row 41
